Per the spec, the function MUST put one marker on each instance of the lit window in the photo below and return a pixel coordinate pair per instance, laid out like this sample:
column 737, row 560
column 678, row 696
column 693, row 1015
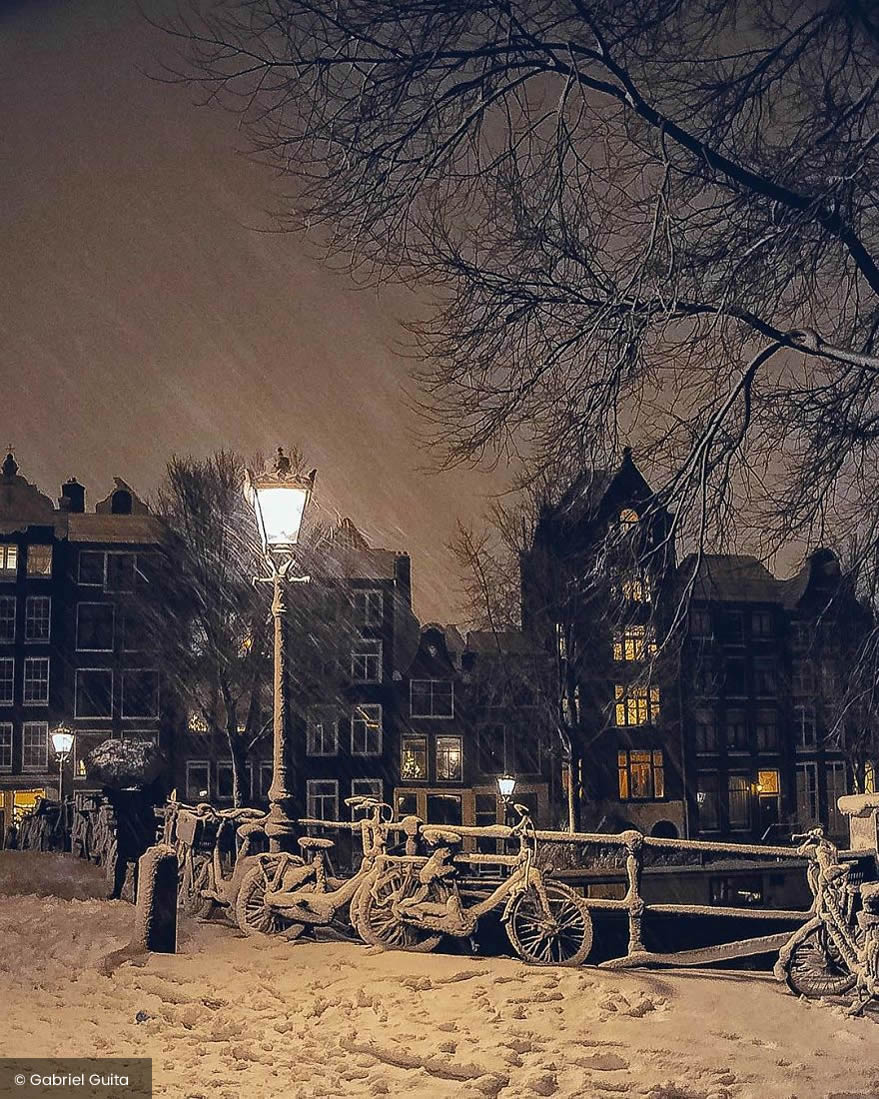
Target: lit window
column 7, row 618
column 35, row 746
column 449, row 759
column 8, row 560
column 322, row 731
column 6, row 746
column 413, row 758
column 641, row 775
column 37, row 617
column 869, row 778
column 366, row 730
column 634, row 642
column 366, row 661
column 635, row 589
column 36, row 681
column 39, row 560
column 323, row 799
column 635, row 705
column 561, row 640
column 7, row 680
column 629, row 518
column 369, row 607
column 432, row 698
column 767, row 782
column 196, row 723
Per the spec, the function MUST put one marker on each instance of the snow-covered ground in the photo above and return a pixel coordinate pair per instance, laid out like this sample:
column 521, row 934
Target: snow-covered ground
column 230, row 1017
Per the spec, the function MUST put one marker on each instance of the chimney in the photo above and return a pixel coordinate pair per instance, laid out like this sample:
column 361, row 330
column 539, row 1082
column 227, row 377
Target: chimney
column 72, row 496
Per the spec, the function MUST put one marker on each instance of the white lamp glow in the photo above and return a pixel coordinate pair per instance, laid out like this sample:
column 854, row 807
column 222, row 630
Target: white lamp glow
column 506, row 786
column 62, row 741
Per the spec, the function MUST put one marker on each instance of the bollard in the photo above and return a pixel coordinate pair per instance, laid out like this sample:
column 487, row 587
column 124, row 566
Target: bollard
column 156, row 906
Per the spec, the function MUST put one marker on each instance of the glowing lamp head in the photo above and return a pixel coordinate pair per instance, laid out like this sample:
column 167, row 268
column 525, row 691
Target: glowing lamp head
column 62, row 741
column 506, row 786
column 279, row 499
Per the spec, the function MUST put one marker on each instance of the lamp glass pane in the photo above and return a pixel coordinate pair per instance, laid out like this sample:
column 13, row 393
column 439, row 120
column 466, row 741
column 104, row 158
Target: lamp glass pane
column 280, row 510
column 506, row 786
column 62, row 742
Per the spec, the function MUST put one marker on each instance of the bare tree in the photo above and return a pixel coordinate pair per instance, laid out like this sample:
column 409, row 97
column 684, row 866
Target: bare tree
column 209, row 622
column 656, row 218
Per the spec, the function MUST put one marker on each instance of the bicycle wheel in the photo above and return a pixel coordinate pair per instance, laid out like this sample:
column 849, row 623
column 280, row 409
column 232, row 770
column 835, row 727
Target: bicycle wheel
column 187, row 874
column 255, row 916
column 376, row 923
column 815, row 967
column 194, row 904
column 562, row 936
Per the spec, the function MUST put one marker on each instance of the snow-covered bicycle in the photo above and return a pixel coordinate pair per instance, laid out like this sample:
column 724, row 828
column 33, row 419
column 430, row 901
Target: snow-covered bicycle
column 829, row 955
column 547, row 923
column 283, row 896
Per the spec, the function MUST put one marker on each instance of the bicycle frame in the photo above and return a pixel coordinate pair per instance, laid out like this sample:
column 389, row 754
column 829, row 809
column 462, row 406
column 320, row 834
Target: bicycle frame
column 308, row 895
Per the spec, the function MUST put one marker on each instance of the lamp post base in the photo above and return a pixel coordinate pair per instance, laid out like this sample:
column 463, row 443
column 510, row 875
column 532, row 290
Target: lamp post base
column 281, row 829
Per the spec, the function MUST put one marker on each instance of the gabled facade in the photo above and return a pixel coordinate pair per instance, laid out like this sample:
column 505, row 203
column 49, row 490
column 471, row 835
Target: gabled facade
column 591, row 586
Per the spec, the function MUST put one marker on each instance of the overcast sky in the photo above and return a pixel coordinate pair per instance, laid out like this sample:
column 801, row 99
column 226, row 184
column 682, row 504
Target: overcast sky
column 141, row 314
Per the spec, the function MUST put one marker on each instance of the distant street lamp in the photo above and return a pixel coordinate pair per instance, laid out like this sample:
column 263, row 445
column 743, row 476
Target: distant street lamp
column 279, row 498
column 506, row 787
column 62, row 743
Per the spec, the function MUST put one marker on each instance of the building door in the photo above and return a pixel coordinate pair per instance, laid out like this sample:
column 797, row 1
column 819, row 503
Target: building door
column 768, row 800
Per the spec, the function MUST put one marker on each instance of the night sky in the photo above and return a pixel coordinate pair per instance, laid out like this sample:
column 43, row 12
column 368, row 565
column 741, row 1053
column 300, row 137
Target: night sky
column 141, row 314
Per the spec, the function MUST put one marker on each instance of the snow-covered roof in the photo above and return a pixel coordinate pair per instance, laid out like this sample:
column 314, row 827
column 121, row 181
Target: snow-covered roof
column 731, row 577
column 122, row 529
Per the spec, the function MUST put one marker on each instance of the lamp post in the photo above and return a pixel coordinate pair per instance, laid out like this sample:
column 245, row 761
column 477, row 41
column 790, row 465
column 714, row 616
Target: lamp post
column 62, row 742
column 279, row 498
column 506, row 787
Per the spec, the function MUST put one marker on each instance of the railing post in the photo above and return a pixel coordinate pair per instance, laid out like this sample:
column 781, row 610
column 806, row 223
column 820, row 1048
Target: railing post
column 634, row 842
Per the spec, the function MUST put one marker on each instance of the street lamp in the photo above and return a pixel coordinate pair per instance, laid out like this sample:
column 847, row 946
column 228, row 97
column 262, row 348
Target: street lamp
column 279, row 498
column 62, row 742
column 506, row 787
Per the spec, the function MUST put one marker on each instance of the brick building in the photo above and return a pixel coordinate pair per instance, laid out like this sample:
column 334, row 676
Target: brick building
column 70, row 648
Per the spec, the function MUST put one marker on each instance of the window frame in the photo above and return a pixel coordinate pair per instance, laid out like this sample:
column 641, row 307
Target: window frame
column 7, row 636
column 9, row 550
column 95, row 603
column 29, row 602
column 633, row 643
column 32, row 660
column 362, row 673
column 226, row 764
column 76, row 694
column 375, row 789
column 42, row 574
column 311, row 723
column 644, row 698
column 746, row 798
column 369, row 727
column 6, row 735
column 654, row 761
column 365, row 601
column 140, row 671
column 29, row 726
column 8, row 661
column 450, row 748
column 312, row 797
column 704, row 782
column 809, row 790
column 432, row 716
column 420, row 739
column 191, row 765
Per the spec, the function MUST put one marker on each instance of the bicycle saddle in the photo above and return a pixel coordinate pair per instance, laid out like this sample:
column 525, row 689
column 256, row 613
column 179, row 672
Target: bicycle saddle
column 436, row 836
column 314, row 843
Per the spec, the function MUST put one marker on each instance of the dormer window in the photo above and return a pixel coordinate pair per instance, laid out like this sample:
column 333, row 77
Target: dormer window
column 8, row 560
column 120, row 502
